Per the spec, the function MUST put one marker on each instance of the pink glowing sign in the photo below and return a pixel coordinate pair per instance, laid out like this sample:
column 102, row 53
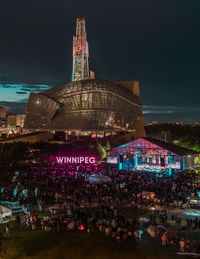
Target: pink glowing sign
column 73, row 159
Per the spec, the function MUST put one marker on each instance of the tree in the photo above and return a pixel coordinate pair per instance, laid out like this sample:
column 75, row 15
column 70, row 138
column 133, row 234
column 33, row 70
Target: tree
column 102, row 151
column 197, row 160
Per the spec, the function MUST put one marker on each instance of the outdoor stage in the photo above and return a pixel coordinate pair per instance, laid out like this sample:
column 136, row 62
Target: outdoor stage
column 152, row 155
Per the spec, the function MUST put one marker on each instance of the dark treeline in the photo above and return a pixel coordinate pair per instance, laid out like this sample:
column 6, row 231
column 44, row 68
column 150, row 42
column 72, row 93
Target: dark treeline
column 171, row 132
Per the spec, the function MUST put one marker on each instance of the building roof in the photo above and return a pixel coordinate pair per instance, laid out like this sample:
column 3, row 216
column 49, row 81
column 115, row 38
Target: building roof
column 86, row 105
column 181, row 151
column 148, row 143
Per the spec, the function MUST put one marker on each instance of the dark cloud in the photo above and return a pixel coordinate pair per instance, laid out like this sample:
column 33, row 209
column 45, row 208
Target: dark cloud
column 6, row 86
column 24, row 88
column 27, row 89
column 21, row 93
column 35, row 86
column 185, row 114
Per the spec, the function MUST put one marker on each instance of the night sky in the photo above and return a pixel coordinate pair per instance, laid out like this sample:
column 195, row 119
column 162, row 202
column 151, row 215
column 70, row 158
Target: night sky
column 153, row 41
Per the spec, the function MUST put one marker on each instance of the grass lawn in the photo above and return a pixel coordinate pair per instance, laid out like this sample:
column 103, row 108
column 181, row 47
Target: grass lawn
column 152, row 249
column 22, row 243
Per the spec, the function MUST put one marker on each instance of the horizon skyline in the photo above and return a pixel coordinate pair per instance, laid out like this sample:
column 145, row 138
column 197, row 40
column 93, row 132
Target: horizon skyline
column 14, row 96
column 151, row 113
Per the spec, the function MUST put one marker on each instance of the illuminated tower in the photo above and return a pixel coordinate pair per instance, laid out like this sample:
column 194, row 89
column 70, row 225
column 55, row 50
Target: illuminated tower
column 80, row 52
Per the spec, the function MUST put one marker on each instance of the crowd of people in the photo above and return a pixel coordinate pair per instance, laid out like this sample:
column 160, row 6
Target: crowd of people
column 74, row 218
column 33, row 183
column 45, row 185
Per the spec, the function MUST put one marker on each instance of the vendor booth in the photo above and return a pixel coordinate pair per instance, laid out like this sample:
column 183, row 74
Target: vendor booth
column 152, row 155
column 5, row 214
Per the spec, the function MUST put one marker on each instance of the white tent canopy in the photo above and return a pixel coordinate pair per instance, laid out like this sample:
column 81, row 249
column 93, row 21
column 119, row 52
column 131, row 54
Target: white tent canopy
column 5, row 212
column 96, row 178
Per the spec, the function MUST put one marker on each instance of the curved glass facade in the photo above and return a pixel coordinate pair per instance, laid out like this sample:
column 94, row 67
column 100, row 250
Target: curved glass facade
column 88, row 105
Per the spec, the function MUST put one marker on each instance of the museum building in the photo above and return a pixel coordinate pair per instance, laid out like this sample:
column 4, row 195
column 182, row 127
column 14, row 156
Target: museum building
column 86, row 105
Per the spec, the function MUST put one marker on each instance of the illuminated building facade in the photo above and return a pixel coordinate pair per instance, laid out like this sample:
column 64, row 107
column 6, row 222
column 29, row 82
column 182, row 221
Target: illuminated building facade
column 152, row 155
column 16, row 121
column 80, row 69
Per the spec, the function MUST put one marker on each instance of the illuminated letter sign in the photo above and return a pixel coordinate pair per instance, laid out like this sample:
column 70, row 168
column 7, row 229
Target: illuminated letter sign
column 59, row 159
column 91, row 160
column 81, row 159
column 73, row 159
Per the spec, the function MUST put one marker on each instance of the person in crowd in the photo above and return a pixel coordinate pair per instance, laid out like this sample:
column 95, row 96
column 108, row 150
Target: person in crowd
column 164, row 239
column 182, row 245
